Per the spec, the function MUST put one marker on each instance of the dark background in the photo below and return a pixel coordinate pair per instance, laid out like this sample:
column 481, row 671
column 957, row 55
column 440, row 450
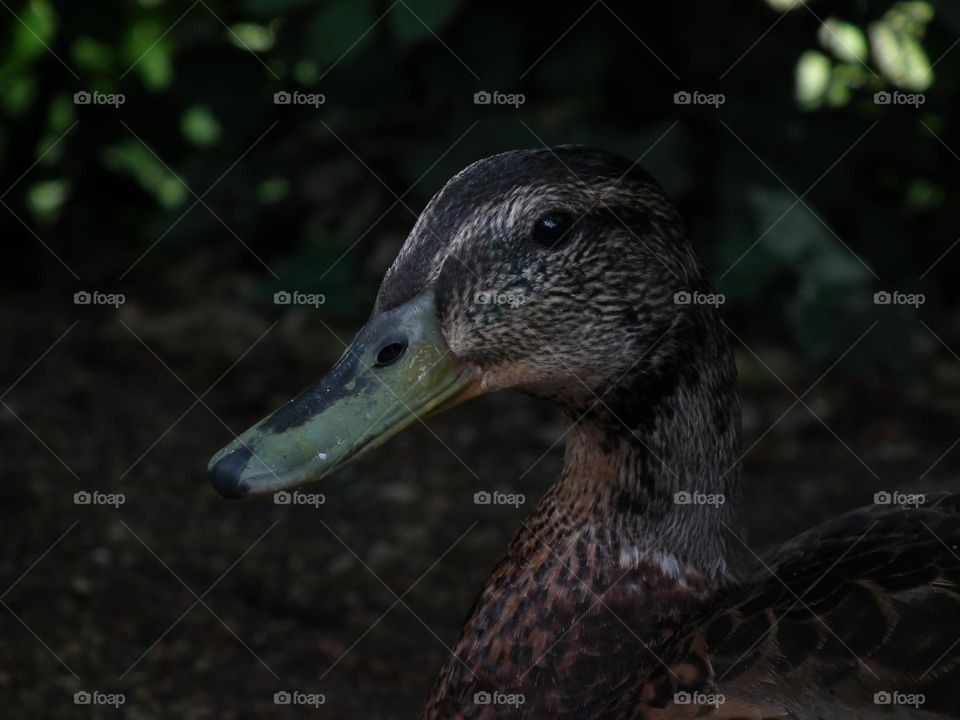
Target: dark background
column 198, row 198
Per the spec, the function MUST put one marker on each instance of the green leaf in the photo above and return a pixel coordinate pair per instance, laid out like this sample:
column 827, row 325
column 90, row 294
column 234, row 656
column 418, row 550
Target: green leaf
column 841, row 80
column 18, row 94
column 46, row 197
column 925, row 195
column 784, row 5
column 30, row 38
column 812, row 79
column 414, row 20
column 306, row 72
column 92, row 55
column 200, row 126
column 911, row 17
column 62, row 113
column 900, row 58
column 896, row 41
column 845, row 40
column 37, row 29
column 273, row 190
column 251, row 36
column 146, row 46
column 129, row 157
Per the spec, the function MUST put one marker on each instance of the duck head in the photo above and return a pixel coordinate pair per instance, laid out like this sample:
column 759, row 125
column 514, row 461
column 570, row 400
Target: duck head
column 555, row 271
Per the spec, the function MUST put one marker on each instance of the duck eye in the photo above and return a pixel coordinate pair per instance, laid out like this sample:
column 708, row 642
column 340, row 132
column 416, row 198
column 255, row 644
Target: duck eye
column 551, row 229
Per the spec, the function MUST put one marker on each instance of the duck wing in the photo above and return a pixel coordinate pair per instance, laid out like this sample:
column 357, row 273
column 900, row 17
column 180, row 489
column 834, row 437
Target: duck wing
column 858, row 613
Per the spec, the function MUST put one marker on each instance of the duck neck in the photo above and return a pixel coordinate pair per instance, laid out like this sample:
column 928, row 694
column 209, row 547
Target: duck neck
column 657, row 470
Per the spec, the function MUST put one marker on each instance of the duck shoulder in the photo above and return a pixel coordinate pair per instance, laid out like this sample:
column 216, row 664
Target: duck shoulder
column 860, row 612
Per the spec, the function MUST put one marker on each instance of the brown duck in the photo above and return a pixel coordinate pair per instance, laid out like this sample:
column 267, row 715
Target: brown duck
column 629, row 591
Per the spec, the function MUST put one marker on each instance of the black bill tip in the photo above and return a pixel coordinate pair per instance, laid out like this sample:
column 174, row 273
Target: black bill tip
column 225, row 475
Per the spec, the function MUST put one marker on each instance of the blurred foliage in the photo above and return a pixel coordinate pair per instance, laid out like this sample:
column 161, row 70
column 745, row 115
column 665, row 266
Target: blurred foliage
column 310, row 193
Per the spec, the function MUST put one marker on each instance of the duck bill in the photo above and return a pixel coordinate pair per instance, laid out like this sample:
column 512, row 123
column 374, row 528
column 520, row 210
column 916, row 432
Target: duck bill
column 397, row 369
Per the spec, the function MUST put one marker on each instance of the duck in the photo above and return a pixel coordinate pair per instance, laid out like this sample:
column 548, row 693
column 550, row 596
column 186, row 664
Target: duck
column 629, row 591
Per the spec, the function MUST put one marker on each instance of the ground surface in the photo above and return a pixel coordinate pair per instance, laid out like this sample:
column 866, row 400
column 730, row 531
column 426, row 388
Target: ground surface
column 297, row 598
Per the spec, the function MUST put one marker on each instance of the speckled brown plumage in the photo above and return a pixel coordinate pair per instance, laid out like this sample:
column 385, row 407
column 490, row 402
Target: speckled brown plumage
column 614, row 600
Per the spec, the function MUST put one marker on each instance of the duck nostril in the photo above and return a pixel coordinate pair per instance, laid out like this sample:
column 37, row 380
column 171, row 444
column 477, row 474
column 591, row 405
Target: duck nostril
column 389, row 354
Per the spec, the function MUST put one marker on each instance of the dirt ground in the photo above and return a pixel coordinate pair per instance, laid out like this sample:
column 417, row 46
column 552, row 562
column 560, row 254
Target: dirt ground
column 196, row 607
